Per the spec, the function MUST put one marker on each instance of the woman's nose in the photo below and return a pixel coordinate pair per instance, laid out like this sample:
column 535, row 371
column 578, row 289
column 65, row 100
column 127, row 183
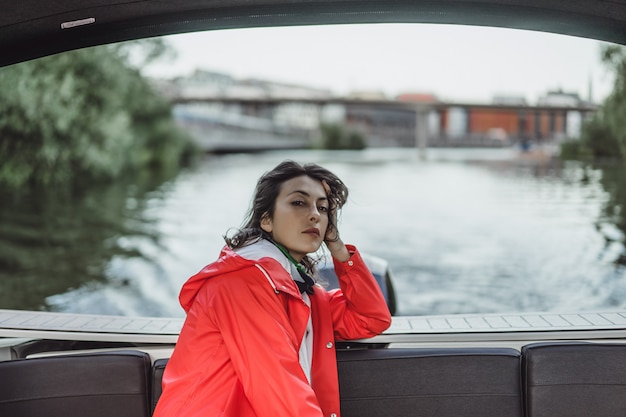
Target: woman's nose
column 315, row 214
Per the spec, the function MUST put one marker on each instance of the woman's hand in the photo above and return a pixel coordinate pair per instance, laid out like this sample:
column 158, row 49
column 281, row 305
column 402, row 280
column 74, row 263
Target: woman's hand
column 333, row 242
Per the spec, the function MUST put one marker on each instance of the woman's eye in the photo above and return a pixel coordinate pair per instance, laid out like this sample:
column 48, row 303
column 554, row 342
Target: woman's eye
column 323, row 209
column 297, row 203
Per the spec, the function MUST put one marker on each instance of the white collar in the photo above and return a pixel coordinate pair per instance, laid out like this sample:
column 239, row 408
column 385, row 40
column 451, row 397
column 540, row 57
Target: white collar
column 264, row 249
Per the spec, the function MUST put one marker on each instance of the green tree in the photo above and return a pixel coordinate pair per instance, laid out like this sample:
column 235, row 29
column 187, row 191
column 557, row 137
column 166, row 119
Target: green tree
column 336, row 136
column 81, row 117
column 605, row 134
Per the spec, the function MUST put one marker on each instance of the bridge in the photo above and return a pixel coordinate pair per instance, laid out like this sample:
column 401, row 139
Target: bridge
column 386, row 122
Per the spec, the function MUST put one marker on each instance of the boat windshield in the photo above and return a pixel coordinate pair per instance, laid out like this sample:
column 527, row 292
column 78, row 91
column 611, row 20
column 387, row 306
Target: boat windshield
column 471, row 187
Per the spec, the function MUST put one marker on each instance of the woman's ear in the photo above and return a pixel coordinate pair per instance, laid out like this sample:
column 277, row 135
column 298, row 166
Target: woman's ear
column 266, row 223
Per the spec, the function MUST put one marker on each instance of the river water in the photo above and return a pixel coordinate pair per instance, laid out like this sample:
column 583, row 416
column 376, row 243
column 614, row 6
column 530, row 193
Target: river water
column 464, row 231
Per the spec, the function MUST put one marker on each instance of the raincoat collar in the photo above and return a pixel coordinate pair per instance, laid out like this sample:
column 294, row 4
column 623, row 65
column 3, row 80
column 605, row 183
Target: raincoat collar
column 266, row 248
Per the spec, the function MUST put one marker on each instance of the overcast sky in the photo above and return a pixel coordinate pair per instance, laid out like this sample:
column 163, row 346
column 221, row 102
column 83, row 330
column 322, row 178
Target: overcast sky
column 459, row 63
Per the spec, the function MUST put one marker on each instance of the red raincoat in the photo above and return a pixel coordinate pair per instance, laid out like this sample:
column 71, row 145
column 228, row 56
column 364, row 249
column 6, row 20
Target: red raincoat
column 237, row 354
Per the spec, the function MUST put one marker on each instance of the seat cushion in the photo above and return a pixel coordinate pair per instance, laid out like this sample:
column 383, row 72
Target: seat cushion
column 95, row 385
column 157, row 380
column 430, row 382
column 574, row 379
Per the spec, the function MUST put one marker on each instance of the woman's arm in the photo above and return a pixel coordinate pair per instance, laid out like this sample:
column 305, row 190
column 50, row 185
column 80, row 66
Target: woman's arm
column 359, row 309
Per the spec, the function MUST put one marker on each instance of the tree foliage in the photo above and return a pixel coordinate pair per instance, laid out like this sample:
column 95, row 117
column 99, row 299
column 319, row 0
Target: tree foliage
column 605, row 134
column 336, row 136
column 81, row 117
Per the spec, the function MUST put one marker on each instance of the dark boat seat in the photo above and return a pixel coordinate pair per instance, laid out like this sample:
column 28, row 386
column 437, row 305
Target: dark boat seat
column 575, row 379
column 157, row 379
column 425, row 382
column 96, row 385
column 430, row 382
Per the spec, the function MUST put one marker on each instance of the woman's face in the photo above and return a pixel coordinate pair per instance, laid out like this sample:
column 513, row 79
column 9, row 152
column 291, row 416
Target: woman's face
column 300, row 216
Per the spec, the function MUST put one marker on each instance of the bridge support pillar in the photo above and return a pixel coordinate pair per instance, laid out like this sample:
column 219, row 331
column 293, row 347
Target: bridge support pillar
column 421, row 130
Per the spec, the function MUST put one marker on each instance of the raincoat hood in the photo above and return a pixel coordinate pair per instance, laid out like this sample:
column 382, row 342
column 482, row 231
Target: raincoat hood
column 228, row 261
column 263, row 253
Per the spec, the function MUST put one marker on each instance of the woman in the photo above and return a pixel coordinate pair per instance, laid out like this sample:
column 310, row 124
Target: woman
column 259, row 336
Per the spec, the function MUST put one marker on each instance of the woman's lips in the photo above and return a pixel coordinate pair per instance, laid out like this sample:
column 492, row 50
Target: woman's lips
column 312, row 231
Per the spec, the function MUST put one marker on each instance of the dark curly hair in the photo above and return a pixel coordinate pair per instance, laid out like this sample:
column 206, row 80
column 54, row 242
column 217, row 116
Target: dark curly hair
column 266, row 193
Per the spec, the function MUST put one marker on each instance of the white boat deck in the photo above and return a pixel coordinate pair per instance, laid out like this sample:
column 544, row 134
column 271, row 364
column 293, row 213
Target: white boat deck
column 66, row 326
column 404, row 329
column 523, row 327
